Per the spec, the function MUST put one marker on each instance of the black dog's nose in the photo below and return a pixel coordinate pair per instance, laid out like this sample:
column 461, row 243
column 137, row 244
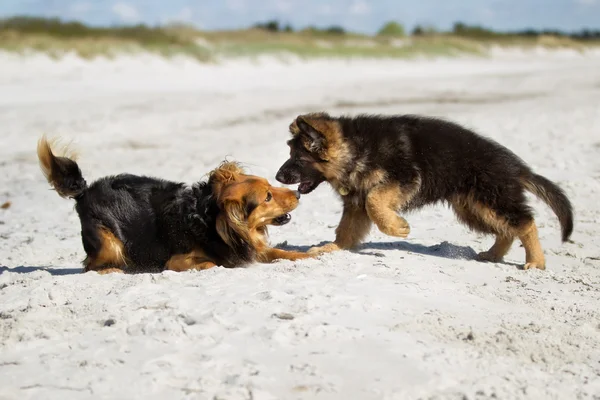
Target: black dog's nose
column 297, row 193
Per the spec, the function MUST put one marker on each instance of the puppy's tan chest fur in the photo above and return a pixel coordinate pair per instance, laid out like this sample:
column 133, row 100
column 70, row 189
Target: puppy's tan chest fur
column 359, row 183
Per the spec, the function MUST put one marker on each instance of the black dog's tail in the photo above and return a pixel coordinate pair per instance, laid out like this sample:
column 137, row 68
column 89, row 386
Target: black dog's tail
column 61, row 171
column 555, row 197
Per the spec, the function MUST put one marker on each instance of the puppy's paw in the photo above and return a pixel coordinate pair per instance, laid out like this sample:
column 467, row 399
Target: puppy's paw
column 396, row 231
column 532, row 265
column 489, row 257
column 318, row 250
column 401, row 231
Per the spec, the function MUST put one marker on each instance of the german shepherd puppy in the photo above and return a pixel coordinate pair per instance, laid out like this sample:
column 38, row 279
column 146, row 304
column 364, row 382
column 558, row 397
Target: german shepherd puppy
column 380, row 165
column 135, row 223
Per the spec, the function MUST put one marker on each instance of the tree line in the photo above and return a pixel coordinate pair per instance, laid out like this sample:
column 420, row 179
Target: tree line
column 394, row 28
column 57, row 27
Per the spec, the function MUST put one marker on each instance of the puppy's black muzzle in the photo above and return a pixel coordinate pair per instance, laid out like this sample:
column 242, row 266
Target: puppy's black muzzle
column 287, row 175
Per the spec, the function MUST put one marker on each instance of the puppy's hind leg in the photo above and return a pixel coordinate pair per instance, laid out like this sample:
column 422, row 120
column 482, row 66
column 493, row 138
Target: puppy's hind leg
column 534, row 255
column 498, row 250
column 513, row 220
column 382, row 204
column 483, row 219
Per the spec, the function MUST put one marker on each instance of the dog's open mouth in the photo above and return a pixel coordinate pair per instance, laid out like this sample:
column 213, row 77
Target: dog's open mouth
column 282, row 219
column 309, row 186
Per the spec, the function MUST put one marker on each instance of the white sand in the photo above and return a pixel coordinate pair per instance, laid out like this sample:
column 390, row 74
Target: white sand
column 416, row 318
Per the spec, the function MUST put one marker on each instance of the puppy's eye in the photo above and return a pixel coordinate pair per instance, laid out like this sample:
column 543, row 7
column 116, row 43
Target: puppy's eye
column 269, row 197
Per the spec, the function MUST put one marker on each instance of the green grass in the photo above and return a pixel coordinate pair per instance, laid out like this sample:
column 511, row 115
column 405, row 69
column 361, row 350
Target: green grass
column 370, row 48
column 57, row 38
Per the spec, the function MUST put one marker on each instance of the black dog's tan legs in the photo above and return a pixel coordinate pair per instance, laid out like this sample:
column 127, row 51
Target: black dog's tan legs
column 352, row 229
column 382, row 204
column 111, row 256
column 195, row 260
column 273, row 254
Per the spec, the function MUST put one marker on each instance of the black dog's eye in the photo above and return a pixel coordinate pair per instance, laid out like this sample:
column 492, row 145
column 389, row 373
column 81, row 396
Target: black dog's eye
column 269, row 197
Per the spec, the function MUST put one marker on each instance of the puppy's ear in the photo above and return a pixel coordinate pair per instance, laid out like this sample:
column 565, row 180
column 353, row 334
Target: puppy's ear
column 313, row 140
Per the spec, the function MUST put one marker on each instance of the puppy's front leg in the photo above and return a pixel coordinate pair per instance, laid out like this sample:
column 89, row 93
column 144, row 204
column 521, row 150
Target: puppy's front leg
column 352, row 229
column 382, row 203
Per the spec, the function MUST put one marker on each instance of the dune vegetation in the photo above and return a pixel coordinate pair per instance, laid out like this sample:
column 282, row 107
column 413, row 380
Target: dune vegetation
column 56, row 38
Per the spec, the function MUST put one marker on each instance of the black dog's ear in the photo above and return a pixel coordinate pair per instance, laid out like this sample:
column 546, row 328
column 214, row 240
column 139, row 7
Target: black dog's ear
column 316, row 141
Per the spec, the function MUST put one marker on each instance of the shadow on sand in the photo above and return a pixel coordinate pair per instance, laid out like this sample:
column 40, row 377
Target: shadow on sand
column 444, row 250
column 51, row 271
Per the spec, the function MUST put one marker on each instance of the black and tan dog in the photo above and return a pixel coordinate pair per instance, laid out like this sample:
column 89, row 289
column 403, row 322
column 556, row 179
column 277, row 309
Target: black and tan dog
column 380, row 165
column 135, row 223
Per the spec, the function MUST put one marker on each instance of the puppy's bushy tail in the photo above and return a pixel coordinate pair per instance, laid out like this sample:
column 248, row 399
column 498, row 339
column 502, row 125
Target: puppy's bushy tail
column 61, row 171
column 555, row 197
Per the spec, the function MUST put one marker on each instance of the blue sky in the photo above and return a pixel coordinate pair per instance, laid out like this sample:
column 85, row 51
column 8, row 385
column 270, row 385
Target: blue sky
column 357, row 15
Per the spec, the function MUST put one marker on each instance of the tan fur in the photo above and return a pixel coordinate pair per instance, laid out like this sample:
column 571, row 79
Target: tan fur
column 194, row 260
column 382, row 203
column 227, row 172
column 338, row 155
column 534, row 255
column 326, row 248
column 233, row 196
column 336, row 152
column 110, row 256
column 498, row 250
column 352, row 229
column 369, row 179
column 230, row 223
column 482, row 218
column 50, row 150
column 224, row 174
column 271, row 254
column 110, row 271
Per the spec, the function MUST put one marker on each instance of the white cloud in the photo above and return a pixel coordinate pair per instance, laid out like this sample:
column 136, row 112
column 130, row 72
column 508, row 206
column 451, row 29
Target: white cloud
column 360, row 8
column 184, row 15
column 79, row 8
column 126, row 12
